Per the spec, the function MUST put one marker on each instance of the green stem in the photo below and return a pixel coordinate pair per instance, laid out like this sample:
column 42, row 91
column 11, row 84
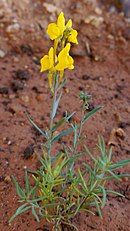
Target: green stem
column 81, row 125
column 78, row 137
column 51, row 115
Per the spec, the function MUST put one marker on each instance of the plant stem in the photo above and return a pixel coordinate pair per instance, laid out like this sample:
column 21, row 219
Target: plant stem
column 77, row 138
column 52, row 117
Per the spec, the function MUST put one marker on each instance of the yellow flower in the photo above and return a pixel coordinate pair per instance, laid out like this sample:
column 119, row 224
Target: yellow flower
column 47, row 62
column 73, row 36
column 56, row 30
column 73, row 33
column 64, row 59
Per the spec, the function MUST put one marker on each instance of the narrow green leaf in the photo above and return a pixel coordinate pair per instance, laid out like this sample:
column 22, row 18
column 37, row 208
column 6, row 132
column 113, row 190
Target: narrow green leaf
column 34, row 213
column 82, row 138
column 19, row 189
column 98, row 208
column 77, row 209
column 41, row 198
column 110, row 154
column 66, row 132
column 113, row 174
column 61, row 85
column 58, row 124
column 33, row 190
column 95, row 195
column 70, row 206
column 101, row 146
column 33, row 123
column 91, row 113
column 104, row 196
column 72, row 159
column 79, row 192
column 68, row 117
column 88, row 211
column 27, row 182
column 21, row 209
column 114, row 192
column 56, row 105
column 90, row 170
column 120, row 164
column 56, row 156
column 89, row 153
column 113, row 177
column 83, row 181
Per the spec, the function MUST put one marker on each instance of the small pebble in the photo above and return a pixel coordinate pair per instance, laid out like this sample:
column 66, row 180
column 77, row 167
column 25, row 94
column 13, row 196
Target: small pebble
column 9, row 142
column 25, row 99
column 4, row 90
column 40, row 97
column 13, row 28
column 28, row 152
column 17, row 85
column 7, row 179
column 14, row 108
column 22, row 75
column 2, row 54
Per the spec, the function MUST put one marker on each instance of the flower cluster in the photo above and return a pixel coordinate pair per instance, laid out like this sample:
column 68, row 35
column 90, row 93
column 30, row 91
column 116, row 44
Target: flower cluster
column 62, row 34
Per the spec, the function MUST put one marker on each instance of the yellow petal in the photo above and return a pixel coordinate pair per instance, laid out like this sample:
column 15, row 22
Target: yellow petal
column 61, row 76
column 64, row 52
column 69, row 24
column 51, row 57
column 53, row 31
column 64, row 59
column 61, row 22
column 73, row 37
column 50, row 75
column 61, row 65
column 70, row 63
column 45, row 63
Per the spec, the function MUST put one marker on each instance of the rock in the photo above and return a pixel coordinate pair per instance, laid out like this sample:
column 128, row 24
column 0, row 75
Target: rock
column 26, row 48
column 2, row 54
column 17, row 85
column 98, row 11
column 15, row 59
column 1, row 178
column 112, row 139
column 12, row 96
column 40, row 97
column 7, row 179
column 67, row 90
column 14, row 108
column 25, row 99
column 13, row 28
column 4, row 90
column 36, row 60
column 94, row 20
column 28, row 152
column 120, row 134
column 22, row 75
column 86, row 77
column 52, row 8
column 117, row 135
column 37, row 89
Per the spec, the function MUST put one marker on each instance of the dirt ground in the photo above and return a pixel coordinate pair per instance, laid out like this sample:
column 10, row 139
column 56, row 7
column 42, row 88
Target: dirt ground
column 102, row 68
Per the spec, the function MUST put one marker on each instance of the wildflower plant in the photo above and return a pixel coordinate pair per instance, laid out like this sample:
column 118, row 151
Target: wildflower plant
column 60, row 190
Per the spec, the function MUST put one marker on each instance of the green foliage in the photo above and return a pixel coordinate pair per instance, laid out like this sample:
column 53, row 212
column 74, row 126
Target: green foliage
column 60, row 190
